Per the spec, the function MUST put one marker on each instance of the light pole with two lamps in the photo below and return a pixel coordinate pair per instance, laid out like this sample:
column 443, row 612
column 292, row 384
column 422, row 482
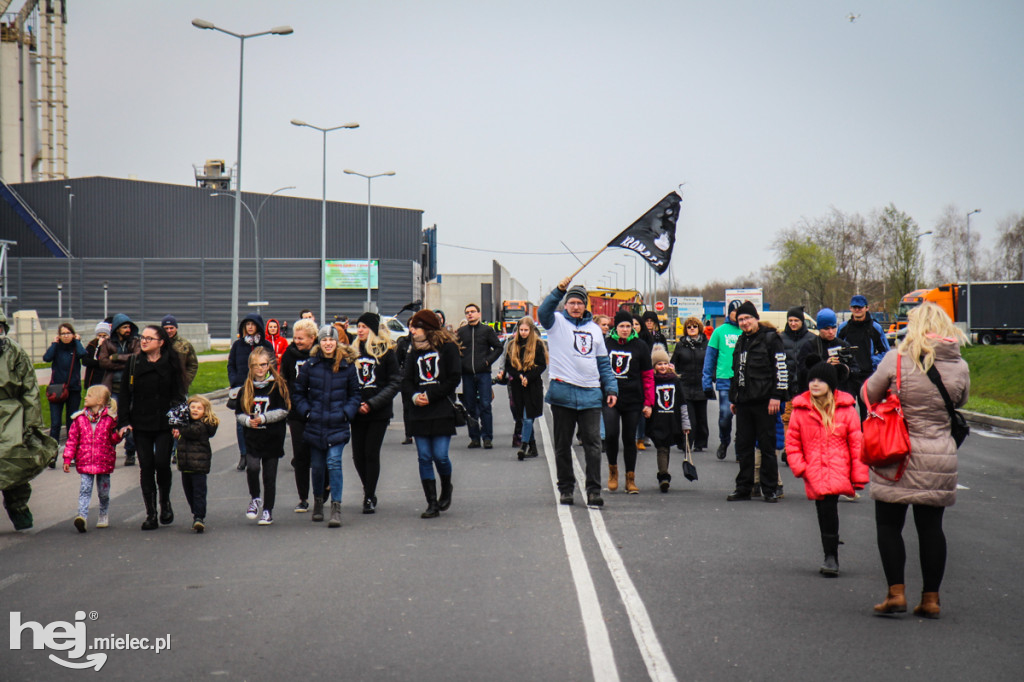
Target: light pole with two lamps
column 259, row 302
column 323, row 214
column 977, row 210
column 369, row 307
column 280, row 31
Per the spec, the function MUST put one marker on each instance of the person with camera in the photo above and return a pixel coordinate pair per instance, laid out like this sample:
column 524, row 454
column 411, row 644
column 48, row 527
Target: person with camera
column 830, row 348
column 867, row 336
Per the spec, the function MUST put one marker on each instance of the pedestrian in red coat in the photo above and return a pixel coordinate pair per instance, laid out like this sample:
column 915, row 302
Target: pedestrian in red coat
column 823, row 446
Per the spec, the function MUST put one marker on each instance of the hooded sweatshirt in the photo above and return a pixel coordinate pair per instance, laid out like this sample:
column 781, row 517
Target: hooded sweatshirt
column 238, row 358
column 114, row 353
column 279, row 343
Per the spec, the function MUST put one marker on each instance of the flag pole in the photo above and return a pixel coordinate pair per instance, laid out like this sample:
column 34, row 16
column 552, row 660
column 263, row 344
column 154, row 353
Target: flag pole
column 573, row 275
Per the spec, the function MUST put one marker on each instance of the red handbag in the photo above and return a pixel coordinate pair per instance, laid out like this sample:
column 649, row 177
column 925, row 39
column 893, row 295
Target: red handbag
column 886, row 440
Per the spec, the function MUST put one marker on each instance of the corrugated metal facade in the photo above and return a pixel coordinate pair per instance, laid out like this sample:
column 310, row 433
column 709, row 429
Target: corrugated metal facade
column 135, row 219
column 167, row 249
column 197, row 289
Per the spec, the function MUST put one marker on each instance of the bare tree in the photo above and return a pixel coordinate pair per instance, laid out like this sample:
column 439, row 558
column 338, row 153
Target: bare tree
column 949, row 247
column 1009, row 261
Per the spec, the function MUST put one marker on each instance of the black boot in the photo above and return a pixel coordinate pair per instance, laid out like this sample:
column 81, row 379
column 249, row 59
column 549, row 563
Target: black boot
column 830, row 567
column 445, row 500
column 166, row 513
column 430, row 490
column 241, row 463
column 129, row 459
column 532, row 452
column 150, row 499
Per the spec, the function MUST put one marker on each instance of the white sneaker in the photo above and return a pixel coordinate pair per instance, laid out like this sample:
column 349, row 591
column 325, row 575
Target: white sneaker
column 103, row 521
column 254, row 508
column 848, row 498
column 266, row 519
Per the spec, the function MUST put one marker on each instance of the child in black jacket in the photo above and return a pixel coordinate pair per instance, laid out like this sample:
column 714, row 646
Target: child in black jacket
column 669, row 422
column 194, row 455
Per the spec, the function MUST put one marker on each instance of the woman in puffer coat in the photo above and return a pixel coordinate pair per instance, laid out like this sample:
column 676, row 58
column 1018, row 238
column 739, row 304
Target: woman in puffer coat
column 824, row 446
column 929, row 482
column 327, row 395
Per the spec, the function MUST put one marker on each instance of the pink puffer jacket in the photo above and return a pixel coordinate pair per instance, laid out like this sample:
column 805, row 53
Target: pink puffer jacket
column 91, row 443
column 829, row 463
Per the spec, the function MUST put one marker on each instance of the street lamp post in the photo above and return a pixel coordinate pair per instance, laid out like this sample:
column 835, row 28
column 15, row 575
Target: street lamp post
column 70, row 197
column 256, row 237
column 277, row 30
column 323, row 215
column 615, row 274
column 977, row 210
column 623, row 266
column 369, row 219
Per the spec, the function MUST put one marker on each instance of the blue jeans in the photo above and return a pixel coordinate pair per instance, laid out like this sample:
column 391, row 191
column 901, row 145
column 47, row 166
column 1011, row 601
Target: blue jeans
column 67, row 408
column 476, row 389
column 527, row 428
column 433, row 450
column 724, row 413
column 329, row 459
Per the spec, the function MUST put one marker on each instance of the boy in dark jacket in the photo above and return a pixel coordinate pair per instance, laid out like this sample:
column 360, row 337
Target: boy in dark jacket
column 759, row 387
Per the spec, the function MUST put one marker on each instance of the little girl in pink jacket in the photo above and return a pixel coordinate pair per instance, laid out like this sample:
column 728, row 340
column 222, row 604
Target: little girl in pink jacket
column 90, row 445
column 823, row 445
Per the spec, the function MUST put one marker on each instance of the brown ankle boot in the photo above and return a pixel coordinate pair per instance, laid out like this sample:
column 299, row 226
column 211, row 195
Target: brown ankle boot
column 613, row 477
column 929, row 606
column 895, row 601
column 631, row 483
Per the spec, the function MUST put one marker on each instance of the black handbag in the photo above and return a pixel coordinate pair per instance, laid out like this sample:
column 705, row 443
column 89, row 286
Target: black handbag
column 958, row 427
column 58, row 393
column 689, row 470
column 233, row 398
column 461, row 415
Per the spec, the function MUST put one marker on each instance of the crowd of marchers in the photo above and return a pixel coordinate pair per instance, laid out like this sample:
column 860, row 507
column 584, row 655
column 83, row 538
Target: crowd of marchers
column 797, row 398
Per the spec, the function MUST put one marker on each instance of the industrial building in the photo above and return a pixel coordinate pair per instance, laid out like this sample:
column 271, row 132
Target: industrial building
column 89, row 247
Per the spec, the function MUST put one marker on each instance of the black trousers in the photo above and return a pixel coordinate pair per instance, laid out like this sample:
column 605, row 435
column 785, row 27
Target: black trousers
column 629, row 421
column 367, row 438
column 253, row 465
column 699, row 431
column 889, row 520
column 754, row 426
column 564, row 423
column 854, row 384
column 300, row 458
column 194, row 486
column 828, row 514
column 154, row 451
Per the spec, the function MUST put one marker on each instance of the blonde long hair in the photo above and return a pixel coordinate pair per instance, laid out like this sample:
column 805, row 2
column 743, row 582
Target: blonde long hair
column 208, row 415
column 826, row 407
column 927, row 325
column 532, row 346
column 379, row 341
column 249, row 391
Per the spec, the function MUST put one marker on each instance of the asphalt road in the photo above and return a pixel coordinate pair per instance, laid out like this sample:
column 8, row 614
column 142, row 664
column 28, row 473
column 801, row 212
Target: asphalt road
column 509, row 585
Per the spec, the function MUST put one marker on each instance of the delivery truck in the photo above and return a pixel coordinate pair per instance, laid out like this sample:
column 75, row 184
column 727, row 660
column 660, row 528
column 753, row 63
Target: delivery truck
column 997, row 309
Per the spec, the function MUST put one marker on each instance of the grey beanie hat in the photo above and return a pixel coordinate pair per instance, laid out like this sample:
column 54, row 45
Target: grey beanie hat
column 102, row 327
column 579, row 292
column 328, row 331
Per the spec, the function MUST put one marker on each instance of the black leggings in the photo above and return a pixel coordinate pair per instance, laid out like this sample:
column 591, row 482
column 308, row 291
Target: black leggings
column 367, row 438
column 611, row 432
column 154, row 450
column 828, row 514
column 889, row 518
column 253, row 464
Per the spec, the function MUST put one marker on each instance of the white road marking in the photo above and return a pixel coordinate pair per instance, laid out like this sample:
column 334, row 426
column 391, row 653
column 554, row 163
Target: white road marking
column 602, row 660
column 647, row 641
column 10, row 580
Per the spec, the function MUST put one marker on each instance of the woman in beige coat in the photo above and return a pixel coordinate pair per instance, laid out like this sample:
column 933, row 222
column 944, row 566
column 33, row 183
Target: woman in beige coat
column 929, row 482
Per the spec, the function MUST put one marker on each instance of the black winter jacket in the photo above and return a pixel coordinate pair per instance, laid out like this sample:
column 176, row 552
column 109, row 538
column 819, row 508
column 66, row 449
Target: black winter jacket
column 823, row 350
column 194, row 452
column 630, row 360
column 238, row 357
column 669, row 415
column 148, row 391
column 93, row 372
column 794, row 342
column 480, row 348
column 436, row 373
column 531, row 396
column 291, row 363
column 760, row 372
column 266, row 440
column 379, row 381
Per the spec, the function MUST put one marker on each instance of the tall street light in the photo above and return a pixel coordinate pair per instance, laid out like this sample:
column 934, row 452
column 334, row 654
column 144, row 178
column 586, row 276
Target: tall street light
column 369, row 205
column 256, row 238
column 623, row 266
column 323, row 215
column 71, row 196
column 977, row 210
column 280, row 31
column 615, row 274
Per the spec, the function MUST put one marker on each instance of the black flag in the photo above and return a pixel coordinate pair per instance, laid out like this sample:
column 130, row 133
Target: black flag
column 654, row 234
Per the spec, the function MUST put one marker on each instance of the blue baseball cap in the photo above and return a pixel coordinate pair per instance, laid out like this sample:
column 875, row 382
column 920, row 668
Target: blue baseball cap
column 826, row 318
column 858, row 301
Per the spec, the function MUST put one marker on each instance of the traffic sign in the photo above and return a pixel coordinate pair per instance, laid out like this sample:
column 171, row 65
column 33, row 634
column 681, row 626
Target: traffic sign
column 659, row 306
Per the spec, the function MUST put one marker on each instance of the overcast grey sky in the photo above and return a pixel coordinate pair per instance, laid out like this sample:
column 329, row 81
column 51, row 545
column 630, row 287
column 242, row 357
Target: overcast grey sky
column 516, row 124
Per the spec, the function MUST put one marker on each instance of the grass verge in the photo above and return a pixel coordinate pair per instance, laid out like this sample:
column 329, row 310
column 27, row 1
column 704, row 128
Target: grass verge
column 997, row 373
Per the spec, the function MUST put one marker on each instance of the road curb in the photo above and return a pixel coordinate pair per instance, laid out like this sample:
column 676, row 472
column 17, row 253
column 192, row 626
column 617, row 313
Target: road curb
column 220, row 393
column 999, row 422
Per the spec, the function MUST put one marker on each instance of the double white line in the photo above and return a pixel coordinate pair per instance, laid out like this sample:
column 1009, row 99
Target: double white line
column 602, row 659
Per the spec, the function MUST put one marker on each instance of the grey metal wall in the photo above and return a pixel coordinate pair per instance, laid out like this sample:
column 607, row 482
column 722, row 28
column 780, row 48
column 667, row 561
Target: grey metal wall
column 197, row 289
column 111, row 217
